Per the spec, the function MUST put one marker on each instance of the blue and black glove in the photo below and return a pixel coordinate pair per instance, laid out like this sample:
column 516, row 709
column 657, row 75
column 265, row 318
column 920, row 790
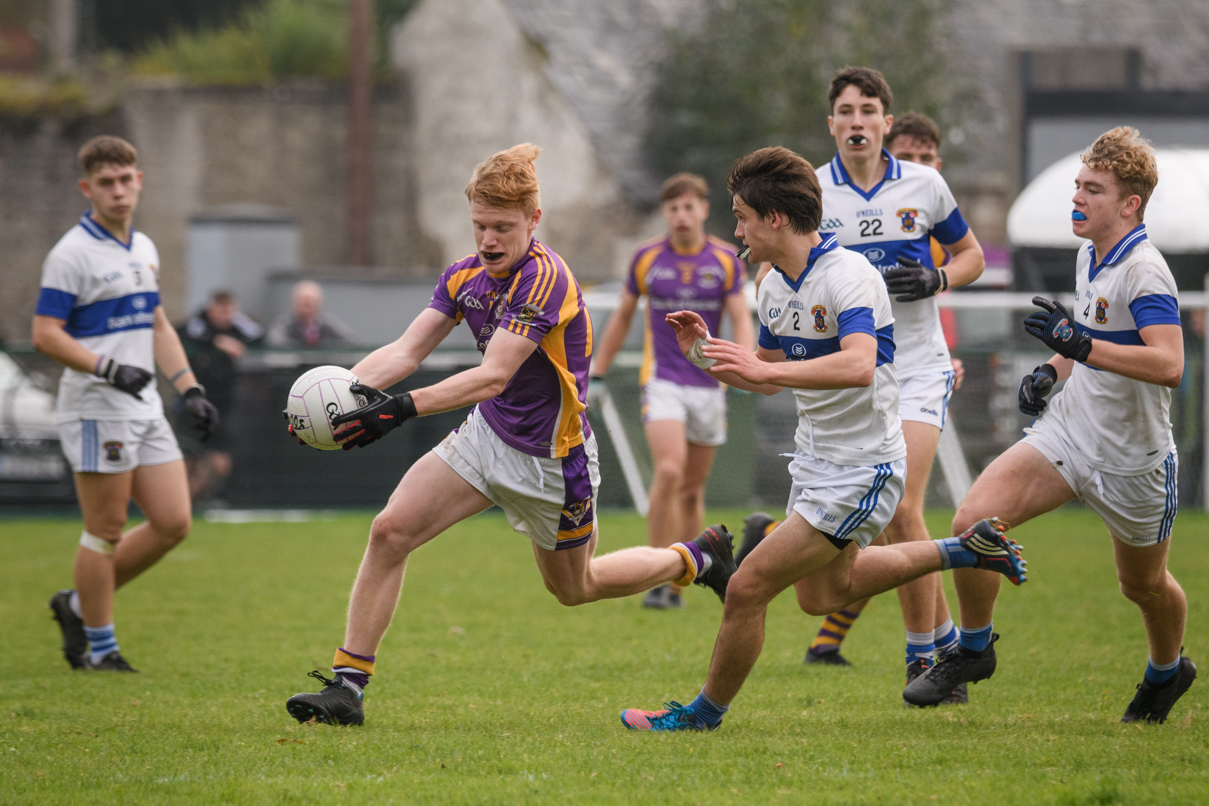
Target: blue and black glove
column 1056, row 327
column 1034, row 388
column 379, row 416
column 914, row 281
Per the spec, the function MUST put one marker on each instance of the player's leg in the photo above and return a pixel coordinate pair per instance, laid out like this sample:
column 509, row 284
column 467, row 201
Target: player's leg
column 1018, row 486
column 575, row 577
column 430, row 498
column 918, row 597
column 162, row 492
column 665, row 517
column 104, row 498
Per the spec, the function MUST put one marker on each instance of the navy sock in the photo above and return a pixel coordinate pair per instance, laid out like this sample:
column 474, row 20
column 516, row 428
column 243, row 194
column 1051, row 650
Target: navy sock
column 976, row 640
column 1157, row 674
column 954, row 555
column 706, row 710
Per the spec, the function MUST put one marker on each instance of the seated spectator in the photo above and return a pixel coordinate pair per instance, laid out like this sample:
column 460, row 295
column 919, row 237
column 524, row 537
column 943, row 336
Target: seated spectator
column 214, row 339
column 306, row 325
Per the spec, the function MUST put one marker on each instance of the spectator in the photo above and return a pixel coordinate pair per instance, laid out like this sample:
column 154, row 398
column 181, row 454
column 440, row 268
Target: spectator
column 306, row 325
column 214, row 340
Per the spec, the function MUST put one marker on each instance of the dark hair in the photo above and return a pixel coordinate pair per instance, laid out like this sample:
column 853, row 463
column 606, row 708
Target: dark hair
column 222, row 298
column 870, row 82
column 106, row 150
column 776, row 180
column 917, row 125
column 682, row 183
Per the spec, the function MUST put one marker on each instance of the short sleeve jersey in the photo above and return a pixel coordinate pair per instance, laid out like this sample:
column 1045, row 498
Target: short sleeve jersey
column 673, row 281
column 1121, row 425
column 543, row 409
column 838, row 294
column 107, row 292
column 898, row 218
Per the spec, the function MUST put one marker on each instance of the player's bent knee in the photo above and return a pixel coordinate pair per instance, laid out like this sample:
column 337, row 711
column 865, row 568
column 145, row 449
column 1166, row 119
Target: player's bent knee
column 814, row 602
column 391, row 533
column 173, row 531
column 746, row 591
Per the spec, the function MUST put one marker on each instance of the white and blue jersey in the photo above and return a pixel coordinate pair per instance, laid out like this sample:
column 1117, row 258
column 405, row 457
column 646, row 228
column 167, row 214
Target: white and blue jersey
column 896, row 219
column 839, row 293
column 107, row 292
column 1122, row 426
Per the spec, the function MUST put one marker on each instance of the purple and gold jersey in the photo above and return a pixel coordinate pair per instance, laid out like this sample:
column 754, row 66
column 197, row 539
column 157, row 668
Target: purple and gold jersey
column 672, row 281
column 542, row 410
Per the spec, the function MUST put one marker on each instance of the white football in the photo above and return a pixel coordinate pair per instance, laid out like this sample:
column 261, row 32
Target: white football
column 318, row 397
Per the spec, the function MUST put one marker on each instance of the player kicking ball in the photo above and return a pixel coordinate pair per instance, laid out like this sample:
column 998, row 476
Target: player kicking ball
column 826, row 333
column 526, row 446
column 1106, row 437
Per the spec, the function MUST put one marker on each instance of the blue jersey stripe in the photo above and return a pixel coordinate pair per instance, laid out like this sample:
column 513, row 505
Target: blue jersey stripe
column 856, row 320
column 131, row 312
column 1131, row 337
column 952, row 229
column 767, row 340
column 799, row 349
column 884, row 255
column 1155, row 309
column 56, row 303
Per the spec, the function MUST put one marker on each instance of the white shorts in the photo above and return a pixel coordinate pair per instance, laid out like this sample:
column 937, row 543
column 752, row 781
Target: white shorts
column 117, row 446
column 1138, row 510
column 925, row 398
column 846, row 501
column 551, row 501
column 702, row 409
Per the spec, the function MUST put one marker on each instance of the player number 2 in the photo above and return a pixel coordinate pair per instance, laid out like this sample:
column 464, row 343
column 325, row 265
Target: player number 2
column 795, row 321
column 870, row 227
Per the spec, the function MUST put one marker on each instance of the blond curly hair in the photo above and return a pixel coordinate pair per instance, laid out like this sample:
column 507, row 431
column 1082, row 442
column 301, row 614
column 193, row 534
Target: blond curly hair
column 1130, row 157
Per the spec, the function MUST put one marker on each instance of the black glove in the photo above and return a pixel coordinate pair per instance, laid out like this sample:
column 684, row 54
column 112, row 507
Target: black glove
column 915, row 281
column 1056, row 327
column 380, row 415
column 1034, row 388
column 124, row 377
column 205, row 412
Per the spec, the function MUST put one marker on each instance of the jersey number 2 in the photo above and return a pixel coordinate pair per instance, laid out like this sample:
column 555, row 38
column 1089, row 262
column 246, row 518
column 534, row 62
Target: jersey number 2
column 871, row 227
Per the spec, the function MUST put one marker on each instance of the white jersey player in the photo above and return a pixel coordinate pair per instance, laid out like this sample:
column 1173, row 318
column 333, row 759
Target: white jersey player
column 1106, row 437
column 99, row 314
column 827, row 333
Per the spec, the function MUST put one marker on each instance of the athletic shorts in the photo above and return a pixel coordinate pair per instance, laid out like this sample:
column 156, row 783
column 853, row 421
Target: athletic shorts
column 117, row 446
column 925, row 398
column 848, row 502
column 1138, row 510
column 550, row 501
column 702, row 409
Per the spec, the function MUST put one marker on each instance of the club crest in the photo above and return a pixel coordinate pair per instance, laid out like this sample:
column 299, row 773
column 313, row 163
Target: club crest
column 906, row 218
column 1063, row 331
column 528, row 313
column 1101, row 311
column 576, row 512
column 113, row 451
column 820, row 318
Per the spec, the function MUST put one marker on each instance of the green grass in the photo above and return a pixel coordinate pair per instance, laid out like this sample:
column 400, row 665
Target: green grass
column 489, row 691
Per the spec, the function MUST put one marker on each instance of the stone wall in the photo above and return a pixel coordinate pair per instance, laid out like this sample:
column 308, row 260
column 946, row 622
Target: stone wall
column 204, row 146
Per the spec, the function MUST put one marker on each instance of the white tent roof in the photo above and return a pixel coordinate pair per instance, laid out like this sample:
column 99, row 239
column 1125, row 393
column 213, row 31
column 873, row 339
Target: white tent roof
column 1177, row 215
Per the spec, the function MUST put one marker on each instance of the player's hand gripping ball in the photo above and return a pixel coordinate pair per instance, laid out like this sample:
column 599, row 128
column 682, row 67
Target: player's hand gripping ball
column 316, row 399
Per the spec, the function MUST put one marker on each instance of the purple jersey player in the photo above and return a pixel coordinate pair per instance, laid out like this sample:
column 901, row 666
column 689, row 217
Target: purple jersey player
column 683, row 408
column 525, row 446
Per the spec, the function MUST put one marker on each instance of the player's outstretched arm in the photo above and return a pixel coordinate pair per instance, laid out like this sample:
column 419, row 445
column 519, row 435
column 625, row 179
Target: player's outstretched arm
column 741, row 366
column 505, row 354
column 614, row 334
column 51, row 338
column 853, row 366
column 390, row 364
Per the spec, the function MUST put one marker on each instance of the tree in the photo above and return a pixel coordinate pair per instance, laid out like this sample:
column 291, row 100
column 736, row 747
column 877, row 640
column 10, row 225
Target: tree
column 755, row 73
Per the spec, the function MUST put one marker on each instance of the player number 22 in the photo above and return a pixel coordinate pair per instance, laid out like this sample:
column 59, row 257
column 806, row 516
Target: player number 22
column 870, row 227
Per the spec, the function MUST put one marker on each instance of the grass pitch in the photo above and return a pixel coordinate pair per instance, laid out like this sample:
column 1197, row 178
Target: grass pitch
column 489, row 691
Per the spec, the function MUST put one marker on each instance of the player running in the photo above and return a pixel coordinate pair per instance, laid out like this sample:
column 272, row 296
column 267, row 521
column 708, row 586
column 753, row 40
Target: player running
column 683, row 408
column 1106, row 437
column 827, row 333
column 890, row 211
column 99, row 315
column 526, row 446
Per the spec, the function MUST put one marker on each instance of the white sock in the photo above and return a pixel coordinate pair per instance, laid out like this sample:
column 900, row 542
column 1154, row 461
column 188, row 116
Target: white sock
column 74, row 604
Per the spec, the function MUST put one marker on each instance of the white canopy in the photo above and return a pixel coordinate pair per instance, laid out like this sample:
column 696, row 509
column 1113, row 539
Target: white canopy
column 1177, row 215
